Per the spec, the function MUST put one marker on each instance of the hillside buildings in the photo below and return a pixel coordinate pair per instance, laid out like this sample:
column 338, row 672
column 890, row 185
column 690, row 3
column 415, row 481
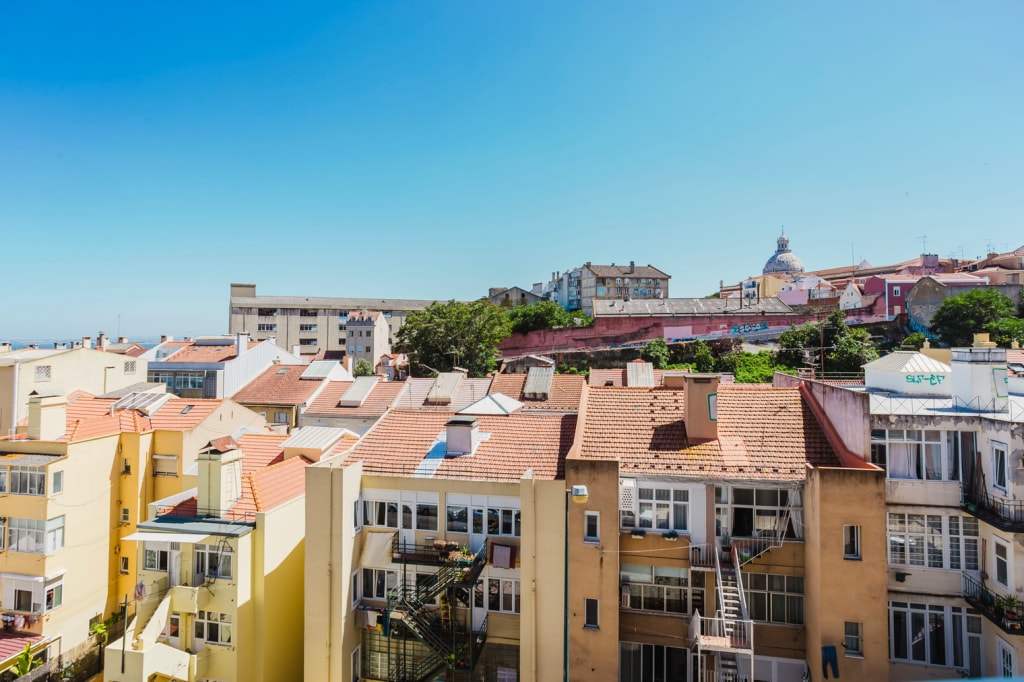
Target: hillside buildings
column 580, row 287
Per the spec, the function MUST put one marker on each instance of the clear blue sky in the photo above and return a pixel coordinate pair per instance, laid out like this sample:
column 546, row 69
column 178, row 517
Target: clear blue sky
column 151, row 153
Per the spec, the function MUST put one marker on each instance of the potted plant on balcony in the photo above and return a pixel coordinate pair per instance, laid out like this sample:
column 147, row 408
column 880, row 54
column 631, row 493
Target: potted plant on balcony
column 671, row 536
column 638, row 533
column 461, row 556
column 1010, row 606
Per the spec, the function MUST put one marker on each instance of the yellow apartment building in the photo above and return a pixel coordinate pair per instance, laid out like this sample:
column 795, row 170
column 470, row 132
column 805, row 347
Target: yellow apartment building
column 220, row 587
column 727, row 534
column 436, row 548
column 55, row 370
column 75, row 483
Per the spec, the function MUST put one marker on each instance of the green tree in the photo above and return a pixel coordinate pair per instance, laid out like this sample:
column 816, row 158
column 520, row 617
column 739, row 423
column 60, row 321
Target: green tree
column 363, row 368
column 454, row 334
column 544, row 315
column 960, row 317
column 26, row 662
column 703, row 360
column 656, row 353
column 915, row 341
column 845, row 349
column 1006, row 330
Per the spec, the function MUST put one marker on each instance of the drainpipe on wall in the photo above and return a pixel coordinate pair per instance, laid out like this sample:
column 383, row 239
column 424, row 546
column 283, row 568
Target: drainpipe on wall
column 14, row 398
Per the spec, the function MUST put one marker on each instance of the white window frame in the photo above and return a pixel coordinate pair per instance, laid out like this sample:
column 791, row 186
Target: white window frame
column 925, row 447
column 1000, row 466
column 53, row 594
column 357, row 664
column 126, row 516
column 643, row 587
column 934, row 541
column 56, row 482
column 27, row 480
column 357, row 515
column 851, row 542
column 656, row 507
column 591, row 522
column 208, row 623
column 1001, row 564
column 502, row 588
column 783, row 593
column 375, row 574
column 26, row 535
column 455, row 525
column 356, row 586
column 1005, row 658
column 954, row 620
column 124, row 565
column 213, row 561
column 156, row 556
column 853, row 639
column 281, row 417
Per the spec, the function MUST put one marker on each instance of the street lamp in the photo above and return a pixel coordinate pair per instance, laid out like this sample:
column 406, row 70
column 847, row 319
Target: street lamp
column 579, row 495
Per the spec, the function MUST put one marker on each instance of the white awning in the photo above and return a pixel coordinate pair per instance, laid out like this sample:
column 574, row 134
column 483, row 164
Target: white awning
column 377, row 549
column 165, row 537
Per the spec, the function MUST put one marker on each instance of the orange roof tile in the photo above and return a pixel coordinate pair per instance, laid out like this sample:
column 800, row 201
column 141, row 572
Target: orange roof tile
column 511, row 444
column 416, row 389
column 617, row 377
column 191, row 352
column 261, row 450
column 279, row 385
column 564, row 395
column 763, row 433
column 89, row 417
column 376, row 403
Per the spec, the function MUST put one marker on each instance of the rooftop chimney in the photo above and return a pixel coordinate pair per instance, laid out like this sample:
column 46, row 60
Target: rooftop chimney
column 47, row 416
column 241, row 344
column 462, row 435
column 979, row 376
column 5, row 347
column 86, row 342
column 122, row 339
column 102, row 341
column 165, row 338
column 700, row 405
column 220, row 482
column 632, row 267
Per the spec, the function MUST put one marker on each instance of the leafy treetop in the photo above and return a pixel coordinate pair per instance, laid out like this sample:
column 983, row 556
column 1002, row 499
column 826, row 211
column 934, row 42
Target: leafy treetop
column 454, row 334
column 959, row 317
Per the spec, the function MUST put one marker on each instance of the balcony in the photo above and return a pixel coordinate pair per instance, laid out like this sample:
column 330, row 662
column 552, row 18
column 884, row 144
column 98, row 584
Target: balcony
column 1006, row 612
column 1006, row 515
column 428, row 554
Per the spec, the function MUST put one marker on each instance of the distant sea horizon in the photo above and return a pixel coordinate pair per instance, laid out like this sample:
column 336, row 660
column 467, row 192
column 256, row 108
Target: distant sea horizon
column 16, row 344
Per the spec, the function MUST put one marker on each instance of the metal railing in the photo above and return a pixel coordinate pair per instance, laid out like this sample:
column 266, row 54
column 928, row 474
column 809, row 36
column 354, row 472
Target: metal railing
column 739, row 584
column 751, row 548
column 722, row 633
column 700, row 555
column 1007, row 515
column 1005, row 611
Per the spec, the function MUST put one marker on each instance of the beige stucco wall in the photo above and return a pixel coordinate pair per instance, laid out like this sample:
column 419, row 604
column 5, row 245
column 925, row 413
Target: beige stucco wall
column 78, row 369
column 839, row 590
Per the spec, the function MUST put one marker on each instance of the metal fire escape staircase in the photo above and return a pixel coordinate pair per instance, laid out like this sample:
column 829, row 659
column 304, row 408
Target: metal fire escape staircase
column 729, row 635
column 415, row 608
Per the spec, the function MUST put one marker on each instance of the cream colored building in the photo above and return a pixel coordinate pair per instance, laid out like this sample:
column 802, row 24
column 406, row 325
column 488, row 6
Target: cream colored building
column 951, row 440
column 220, row 586
column 446, row 526
column 76, row 481
column 49, row 370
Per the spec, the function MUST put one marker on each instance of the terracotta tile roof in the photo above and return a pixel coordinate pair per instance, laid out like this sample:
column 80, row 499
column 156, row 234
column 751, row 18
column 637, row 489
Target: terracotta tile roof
column 261, row 450
column 12, row 643
column 279, row 385
column 376, row 403
column 265, row 484
column 401, row 440
column 415, row 394
column 764, row 433
column 564, row 395
column 191, row 352
column 90, row 417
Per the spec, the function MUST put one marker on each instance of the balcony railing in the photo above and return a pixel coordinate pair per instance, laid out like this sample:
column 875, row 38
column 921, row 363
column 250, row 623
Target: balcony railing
column 1006, row 515
column 722, row 634
column 1006, row 612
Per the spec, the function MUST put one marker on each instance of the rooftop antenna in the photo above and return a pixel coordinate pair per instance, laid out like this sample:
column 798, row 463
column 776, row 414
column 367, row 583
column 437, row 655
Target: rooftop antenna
column 924, row 243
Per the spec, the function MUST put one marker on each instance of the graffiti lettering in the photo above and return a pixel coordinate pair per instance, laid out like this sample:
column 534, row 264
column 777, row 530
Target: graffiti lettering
column 930, row 379
column 749, row 327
